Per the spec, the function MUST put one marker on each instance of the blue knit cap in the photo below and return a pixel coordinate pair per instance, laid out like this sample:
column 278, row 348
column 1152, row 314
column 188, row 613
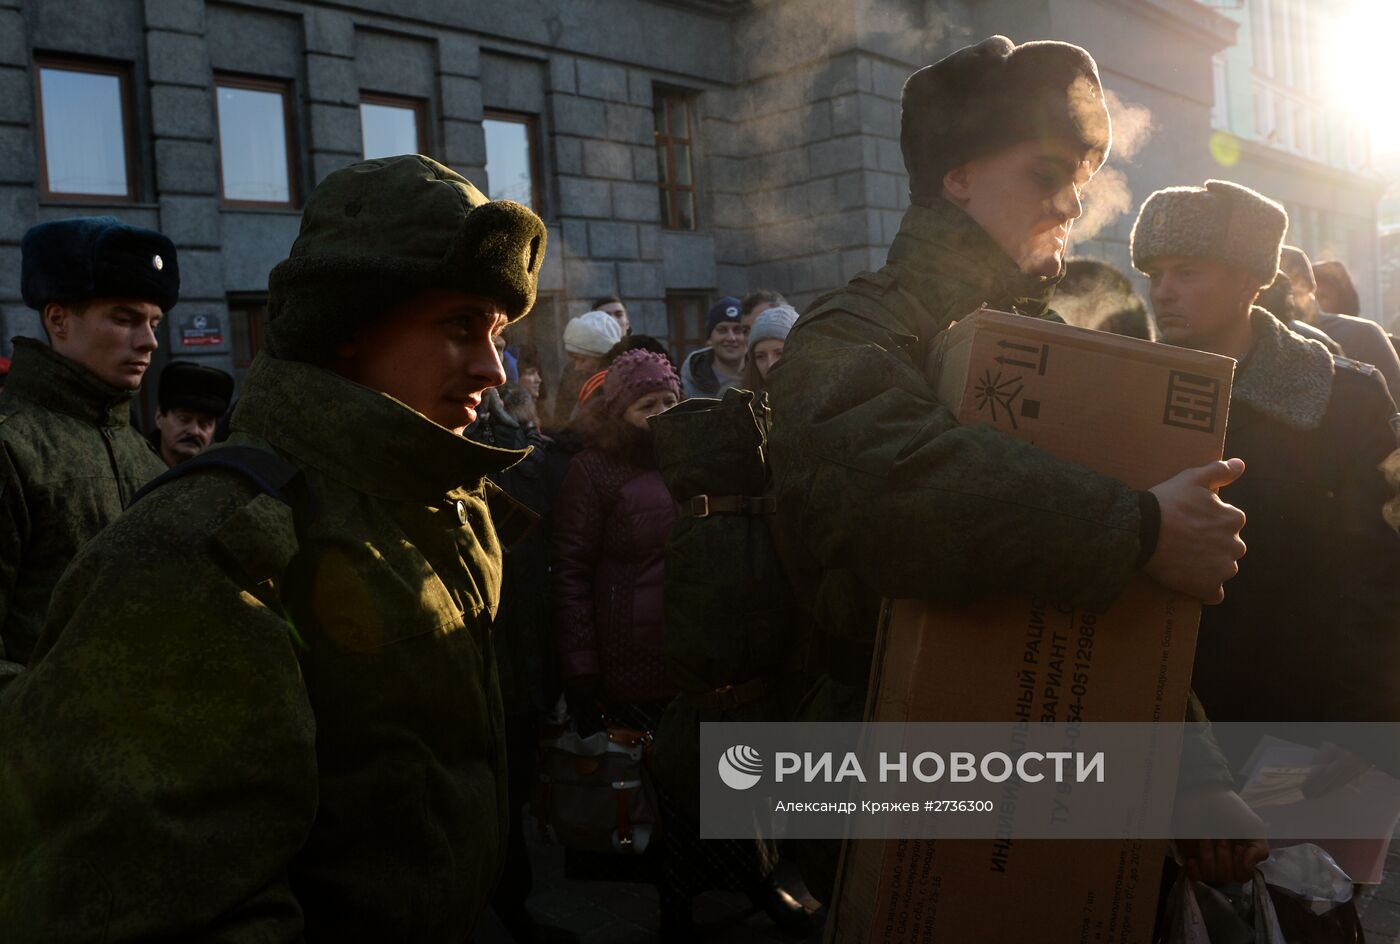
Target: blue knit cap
column 726, row 309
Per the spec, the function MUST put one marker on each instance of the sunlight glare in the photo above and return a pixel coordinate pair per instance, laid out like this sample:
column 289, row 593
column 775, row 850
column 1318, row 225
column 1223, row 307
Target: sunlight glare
column 1363, row 77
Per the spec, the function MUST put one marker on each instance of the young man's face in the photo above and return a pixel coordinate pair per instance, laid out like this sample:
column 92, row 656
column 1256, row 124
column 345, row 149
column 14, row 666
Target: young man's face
column 729, row 340
column 1026, row 197
column 435, row 353
column 1200, row 303
column 112, row 337
column 184, row 434
column 531, row 380
column 619, row 313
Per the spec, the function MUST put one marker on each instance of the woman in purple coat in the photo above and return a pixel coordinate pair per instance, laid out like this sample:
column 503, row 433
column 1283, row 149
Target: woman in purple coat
column 613, row 515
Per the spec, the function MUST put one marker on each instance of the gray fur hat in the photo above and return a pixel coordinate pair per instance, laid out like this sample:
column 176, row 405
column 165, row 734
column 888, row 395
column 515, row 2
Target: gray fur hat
column 1221, row 221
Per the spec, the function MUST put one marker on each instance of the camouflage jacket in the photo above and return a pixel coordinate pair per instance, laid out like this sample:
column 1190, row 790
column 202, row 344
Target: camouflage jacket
column 882, row 494
column 69, row 463
column 254, row 722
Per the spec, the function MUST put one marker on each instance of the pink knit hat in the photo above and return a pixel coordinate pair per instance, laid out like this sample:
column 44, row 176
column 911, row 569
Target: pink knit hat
column 634, row 375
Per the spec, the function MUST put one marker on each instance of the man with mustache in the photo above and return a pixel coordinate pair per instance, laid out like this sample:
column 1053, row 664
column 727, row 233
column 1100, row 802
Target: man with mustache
column 189, row 402
column 306, row 742
column 880, row 492
column 69, row 460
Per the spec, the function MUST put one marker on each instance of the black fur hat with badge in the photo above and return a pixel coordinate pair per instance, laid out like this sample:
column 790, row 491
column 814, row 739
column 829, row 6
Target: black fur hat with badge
column 97, row 257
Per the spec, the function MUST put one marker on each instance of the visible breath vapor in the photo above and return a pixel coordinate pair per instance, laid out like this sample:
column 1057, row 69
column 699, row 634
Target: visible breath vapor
column 1108, row 196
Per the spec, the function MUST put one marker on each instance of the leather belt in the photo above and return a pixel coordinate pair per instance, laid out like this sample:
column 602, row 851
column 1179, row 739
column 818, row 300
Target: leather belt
column 703, row 506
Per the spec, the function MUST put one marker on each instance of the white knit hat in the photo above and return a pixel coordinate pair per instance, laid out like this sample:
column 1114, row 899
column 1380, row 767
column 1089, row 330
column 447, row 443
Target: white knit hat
column 593, row 333
column 772, row 324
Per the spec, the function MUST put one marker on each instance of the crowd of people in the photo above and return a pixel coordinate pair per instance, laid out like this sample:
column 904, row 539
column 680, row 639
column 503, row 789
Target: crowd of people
column 295, row 684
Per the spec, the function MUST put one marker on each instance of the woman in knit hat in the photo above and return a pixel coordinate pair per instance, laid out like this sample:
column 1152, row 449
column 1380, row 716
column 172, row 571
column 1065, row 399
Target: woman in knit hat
column 613, row 515
column 766, row 340
column 587, row 339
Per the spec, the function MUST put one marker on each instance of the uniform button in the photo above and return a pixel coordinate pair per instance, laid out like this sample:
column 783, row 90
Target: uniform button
column 461, row 511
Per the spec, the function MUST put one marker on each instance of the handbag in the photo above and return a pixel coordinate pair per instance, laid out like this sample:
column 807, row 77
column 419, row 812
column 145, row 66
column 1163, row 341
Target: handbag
column 595, row 793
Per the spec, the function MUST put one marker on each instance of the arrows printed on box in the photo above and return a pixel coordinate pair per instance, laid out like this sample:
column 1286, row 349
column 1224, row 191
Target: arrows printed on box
column 1039, row 356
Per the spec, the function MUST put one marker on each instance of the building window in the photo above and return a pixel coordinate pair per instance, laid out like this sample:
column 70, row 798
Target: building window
column 511, row 163
column 675, row 169
column 1263, row 37
column 1282, row 25
column 685, row 314
column 247, row 322
column 1264, row 126
column 84, row 129
column 255, row 142
column 390, row 126
column 1285, row 137
column 540, row 332
column 1220, row 108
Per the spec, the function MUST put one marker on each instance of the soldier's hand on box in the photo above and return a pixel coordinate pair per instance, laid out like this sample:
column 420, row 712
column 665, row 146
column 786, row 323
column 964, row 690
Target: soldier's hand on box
column 1199, row 540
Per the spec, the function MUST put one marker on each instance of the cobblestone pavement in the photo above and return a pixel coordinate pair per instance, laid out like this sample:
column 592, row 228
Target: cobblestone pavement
column 622, row 913
column 1379, row 905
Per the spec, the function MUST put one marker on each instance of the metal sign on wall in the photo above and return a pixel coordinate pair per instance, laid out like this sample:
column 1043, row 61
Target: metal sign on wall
column 204, row 329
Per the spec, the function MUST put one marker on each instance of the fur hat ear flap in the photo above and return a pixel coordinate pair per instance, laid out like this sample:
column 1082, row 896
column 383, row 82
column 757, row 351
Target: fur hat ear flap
column 498, row 254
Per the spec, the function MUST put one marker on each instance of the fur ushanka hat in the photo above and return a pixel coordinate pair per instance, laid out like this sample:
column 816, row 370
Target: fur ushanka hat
column 374, row 234
column 993, row 95
column 1222, row 221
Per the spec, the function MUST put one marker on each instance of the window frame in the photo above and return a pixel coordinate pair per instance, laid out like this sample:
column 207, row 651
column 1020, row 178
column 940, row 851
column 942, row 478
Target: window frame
column 532, row 142
column 122, row 72
column 253, row 83
column 680, row 342
column 416, row 105
column 665, row 97
column 251, row 307
column 1220, row 85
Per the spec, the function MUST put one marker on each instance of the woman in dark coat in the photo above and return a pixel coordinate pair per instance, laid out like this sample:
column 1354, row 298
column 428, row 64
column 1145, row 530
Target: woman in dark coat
column 613, row 514
column 612, row 517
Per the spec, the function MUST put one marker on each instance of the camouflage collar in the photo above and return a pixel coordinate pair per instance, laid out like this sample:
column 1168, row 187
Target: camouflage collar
column 940, row 253
column 358, row 436
column 41, row 375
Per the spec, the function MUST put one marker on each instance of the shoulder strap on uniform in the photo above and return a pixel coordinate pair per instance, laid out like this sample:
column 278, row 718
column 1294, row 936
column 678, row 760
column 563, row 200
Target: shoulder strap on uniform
column 271, row 473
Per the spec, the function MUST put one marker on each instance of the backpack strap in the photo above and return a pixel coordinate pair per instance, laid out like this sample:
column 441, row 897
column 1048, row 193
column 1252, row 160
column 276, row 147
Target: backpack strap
column 272, row 475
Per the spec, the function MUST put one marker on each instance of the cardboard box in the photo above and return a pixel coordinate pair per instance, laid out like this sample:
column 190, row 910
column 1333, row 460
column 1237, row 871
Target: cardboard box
column 1140, row 412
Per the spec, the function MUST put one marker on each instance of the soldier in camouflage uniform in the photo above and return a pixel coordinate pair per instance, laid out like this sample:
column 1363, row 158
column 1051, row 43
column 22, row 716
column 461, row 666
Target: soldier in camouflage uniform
column 307, row 740
column 999, row 141
column 69, row 459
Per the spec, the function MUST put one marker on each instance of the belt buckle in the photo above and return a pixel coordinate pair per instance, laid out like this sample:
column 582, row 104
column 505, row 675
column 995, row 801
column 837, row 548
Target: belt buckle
column 700, row 506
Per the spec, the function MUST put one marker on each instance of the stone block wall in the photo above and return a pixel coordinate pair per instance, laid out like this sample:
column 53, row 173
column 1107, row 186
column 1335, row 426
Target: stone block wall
column 801, row 181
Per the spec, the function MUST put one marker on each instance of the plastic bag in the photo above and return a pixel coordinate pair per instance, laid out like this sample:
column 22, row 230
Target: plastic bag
column 1200, row 914
column 1308, row 873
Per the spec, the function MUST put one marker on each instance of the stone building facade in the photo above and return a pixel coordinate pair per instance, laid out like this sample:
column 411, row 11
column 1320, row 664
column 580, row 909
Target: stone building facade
column 1276, row 108
column 677, row 150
